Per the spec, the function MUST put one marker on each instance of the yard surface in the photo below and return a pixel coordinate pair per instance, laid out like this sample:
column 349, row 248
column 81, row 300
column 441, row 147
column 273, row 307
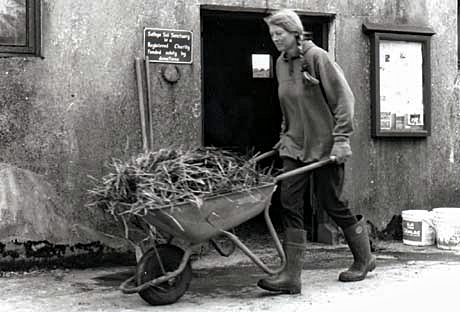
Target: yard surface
column 408, row 278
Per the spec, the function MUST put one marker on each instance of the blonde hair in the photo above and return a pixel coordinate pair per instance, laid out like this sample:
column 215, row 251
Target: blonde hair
column 288, row 20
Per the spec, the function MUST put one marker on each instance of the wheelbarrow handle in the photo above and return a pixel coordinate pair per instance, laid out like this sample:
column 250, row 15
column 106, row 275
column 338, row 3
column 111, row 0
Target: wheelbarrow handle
column 304, row 169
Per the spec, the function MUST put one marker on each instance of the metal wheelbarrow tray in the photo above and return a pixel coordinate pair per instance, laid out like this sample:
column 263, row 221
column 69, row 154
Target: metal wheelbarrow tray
column 163, row 273
column 198, row 223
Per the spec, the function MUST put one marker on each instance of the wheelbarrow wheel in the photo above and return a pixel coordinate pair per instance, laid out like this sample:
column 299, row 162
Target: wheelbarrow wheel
column 149, row 268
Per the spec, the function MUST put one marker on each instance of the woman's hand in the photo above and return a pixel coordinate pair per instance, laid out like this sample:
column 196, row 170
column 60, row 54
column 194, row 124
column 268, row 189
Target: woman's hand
column 341, row 151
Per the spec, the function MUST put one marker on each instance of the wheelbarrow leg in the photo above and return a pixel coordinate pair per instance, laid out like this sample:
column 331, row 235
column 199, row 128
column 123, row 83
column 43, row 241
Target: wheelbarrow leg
column 252, row 256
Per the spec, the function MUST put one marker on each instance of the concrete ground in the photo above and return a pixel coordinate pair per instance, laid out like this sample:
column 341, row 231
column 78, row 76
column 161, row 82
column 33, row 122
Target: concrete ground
column 408, row 278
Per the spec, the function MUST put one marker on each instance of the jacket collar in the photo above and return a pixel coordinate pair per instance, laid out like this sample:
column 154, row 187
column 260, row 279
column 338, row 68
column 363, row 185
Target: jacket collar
column 306, row 45
column 286, row 58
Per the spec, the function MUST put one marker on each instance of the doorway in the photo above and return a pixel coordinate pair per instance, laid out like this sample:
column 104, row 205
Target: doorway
column 241, row 111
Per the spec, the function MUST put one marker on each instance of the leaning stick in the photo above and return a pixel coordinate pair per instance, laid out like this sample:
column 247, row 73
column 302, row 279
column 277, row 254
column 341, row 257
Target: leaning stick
column 149, row 104
column 141, row 104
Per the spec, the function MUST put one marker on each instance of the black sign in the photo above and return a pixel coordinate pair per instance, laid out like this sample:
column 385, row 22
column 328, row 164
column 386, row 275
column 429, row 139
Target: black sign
column 168, row 45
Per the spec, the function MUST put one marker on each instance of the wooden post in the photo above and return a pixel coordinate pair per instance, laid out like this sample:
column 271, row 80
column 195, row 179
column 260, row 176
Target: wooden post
column 141, row 105
column 149, row 102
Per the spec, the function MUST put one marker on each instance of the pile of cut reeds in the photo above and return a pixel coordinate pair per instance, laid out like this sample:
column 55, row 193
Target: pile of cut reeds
column 169, row 177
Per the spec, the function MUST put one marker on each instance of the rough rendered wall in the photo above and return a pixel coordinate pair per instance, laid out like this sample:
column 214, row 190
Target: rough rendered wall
column 67, row 113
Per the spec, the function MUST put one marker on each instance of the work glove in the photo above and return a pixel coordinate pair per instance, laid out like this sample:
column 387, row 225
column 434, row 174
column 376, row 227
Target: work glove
column 341, row 150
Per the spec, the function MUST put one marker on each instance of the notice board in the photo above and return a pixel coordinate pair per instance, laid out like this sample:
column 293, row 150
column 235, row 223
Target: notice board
column 400, row 80
column 168, row 45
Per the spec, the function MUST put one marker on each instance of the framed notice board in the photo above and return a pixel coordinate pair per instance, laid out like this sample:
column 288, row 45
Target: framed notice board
column 400, row 80
column 168, row 45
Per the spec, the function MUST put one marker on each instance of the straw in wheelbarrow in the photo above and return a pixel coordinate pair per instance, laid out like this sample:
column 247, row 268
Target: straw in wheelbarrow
column 168, row 177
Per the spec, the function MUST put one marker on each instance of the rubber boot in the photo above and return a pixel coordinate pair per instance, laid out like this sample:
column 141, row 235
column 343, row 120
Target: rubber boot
column 364, row 262
column 288, row 281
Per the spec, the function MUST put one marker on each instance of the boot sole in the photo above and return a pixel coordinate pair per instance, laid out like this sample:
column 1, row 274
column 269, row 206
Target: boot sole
column 290, row 291
column 371, row 268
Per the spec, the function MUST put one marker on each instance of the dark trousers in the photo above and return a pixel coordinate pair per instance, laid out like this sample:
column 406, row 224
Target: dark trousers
column 327, row 187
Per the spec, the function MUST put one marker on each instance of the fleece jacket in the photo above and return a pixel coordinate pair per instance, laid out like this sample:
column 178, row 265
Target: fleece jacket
column 316, row 112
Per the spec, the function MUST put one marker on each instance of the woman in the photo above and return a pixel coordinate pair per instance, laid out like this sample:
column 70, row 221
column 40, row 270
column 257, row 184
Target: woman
column 317, row 106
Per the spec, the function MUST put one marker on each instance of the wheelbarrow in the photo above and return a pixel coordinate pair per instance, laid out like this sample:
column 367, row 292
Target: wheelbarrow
column 164, row 272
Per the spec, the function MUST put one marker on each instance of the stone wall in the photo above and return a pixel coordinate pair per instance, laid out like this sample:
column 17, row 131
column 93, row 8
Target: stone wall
column 66, row 114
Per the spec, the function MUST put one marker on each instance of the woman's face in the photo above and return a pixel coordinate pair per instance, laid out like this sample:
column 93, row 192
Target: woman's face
column 282, row 39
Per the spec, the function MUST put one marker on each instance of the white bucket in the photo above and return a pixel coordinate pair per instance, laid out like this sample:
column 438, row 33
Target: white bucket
column 447, row 223
column 418, row 229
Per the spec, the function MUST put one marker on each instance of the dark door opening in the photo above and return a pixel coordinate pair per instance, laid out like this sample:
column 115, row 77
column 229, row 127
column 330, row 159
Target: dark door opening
column 240, row 112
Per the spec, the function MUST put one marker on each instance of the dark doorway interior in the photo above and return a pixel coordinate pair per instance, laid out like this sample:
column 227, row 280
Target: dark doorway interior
column 241, row 112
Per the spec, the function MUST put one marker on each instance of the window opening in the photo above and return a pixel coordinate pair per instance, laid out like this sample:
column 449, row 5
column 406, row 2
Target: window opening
column 20, row 28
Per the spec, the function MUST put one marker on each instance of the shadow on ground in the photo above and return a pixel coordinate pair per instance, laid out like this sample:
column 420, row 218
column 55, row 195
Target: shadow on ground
column 239, row 279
